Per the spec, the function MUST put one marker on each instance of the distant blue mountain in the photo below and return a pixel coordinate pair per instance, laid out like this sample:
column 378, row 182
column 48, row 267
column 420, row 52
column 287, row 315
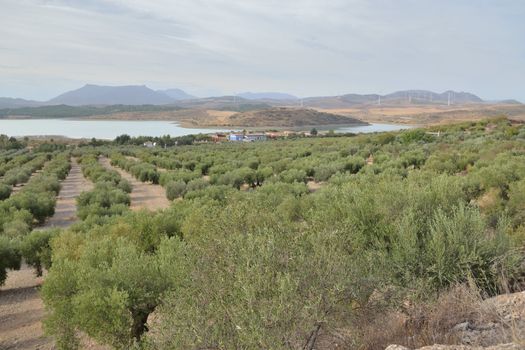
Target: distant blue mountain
column 112, row 95
column 177, row 94
column 8, row 102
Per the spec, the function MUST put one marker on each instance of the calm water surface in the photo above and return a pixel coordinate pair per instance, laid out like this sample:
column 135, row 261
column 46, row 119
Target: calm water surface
column 374, row 128
column 109, row 129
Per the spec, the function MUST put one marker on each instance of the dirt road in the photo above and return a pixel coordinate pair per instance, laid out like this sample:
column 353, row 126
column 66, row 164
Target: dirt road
column 144, row 195
column 66, row 207
column 21, row 312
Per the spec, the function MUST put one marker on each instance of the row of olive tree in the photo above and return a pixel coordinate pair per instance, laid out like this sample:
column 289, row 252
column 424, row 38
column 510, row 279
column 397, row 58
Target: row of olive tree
column 27, row 208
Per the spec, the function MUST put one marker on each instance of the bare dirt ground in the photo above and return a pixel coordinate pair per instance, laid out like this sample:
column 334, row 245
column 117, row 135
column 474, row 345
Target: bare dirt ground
column 314, row 186
column 144, row 195
column 66, row 208
column 21, row 312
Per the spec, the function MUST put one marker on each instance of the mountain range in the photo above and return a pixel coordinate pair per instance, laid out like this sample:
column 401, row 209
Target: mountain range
column 96, row 95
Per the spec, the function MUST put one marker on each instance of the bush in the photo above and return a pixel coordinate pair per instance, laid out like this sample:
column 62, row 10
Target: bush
column 354, row 164
column 40, row 204
column 108, row 290
column 278, row 287
column 293, row 175
column 9, row 257
column 197, row 184
column 36, row 249
column 103, row 200
column 5, row 191
column 175, row 189
column 457, row 248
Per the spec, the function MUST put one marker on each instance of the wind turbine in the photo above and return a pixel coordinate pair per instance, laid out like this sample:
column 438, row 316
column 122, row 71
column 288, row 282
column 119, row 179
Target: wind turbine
column 379, row 96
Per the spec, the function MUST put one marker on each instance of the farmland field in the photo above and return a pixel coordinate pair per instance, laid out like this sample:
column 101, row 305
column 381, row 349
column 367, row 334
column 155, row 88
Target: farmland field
column 294, row 243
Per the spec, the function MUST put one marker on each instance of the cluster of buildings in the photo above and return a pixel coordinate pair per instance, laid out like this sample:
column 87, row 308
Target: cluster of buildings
column 239, row 137
column 242, row 137
column 249, row 137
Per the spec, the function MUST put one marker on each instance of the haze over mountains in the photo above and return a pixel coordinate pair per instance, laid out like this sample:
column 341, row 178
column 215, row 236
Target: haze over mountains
column 112, row 95
column 96, row 95
column 267, row 96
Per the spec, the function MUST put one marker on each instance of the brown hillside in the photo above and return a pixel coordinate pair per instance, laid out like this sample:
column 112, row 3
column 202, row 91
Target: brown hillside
column 289, row 117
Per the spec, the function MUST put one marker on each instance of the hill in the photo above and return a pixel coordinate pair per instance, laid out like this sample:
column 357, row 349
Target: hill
column 432, row 97
column 267, row 96
column 230, row 103
column 405, row 97
column 7, row 102
column 177, row 94
column 289, row 117
column 112, row 95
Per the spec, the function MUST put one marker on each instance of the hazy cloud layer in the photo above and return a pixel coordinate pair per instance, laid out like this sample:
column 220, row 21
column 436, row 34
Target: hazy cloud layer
column 305, row 47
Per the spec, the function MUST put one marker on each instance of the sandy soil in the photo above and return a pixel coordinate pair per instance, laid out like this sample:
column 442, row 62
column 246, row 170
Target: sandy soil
column 66, row 207
column 144, row 195
column 314, row 186
column 21, row 312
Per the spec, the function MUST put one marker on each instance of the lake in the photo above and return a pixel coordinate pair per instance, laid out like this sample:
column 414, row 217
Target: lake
column 109, row 129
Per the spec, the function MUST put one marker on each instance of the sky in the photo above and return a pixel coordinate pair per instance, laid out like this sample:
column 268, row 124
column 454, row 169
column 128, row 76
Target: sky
column 302, row 47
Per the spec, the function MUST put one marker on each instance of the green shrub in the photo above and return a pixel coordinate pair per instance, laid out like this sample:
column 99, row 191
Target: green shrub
column 36, row 249
column 103, row 200
column 9, row 257
column 175, row 189
column 5, row 191
column 293, row 175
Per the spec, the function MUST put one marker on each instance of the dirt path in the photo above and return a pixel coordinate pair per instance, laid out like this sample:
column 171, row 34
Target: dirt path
column 21, row 312
column 314, row 186
column 144, row 195
column 66, row 207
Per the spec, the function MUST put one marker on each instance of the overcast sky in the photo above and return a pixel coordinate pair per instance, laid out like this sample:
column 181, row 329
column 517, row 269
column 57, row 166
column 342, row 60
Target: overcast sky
column 304, row 47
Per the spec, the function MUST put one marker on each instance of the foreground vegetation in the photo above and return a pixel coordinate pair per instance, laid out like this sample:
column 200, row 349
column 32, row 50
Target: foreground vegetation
column 28, row 208
column 250, row 257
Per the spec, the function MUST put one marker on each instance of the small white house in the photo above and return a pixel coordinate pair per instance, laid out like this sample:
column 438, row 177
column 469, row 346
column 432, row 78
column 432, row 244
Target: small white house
column 236, row 137
column 150, row 144
column 255, row 137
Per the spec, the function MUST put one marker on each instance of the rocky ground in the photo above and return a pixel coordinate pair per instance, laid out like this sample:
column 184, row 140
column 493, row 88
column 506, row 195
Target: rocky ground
column 501, row 326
